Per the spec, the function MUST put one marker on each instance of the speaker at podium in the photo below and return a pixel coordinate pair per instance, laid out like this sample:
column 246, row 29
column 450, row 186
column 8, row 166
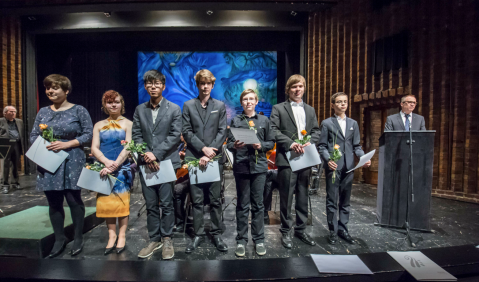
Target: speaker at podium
column 395, row 195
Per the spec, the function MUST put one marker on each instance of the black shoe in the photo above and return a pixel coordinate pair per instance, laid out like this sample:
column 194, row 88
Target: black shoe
column 266, row 219
column 346, row 237
column 54, row 254
column 195, row 243
column 333, row 238
column 110, row 250
column 220, row 245
column 76, row 252
column 286, row 241
column 305, row 238
column 119, row 250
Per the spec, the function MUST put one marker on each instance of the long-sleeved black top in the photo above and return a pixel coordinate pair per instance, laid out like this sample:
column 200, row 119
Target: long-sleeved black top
column 245, row 157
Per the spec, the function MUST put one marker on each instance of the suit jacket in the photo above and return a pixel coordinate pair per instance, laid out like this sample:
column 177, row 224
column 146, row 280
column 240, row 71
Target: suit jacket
column 349, row 144
column 162, row 137
column 199, row 132
column 394, row 122
column 284, row 124
column 5, row 132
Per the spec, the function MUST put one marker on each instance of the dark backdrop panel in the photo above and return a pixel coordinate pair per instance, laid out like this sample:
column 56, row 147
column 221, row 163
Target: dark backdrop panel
column 97, row 62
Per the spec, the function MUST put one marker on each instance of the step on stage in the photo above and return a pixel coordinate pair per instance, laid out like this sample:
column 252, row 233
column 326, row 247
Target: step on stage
column 29, row 233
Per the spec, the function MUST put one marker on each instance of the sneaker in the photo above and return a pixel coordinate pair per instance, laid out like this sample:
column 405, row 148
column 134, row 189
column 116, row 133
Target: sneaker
column 150, row 249
column 260, row 249
column 168, row 251
column 4, row 189
column 240, row 250
column 17, row 186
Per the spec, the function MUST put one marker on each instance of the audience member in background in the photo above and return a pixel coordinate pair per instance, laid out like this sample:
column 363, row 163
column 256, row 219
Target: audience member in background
column 73, row 128
column 11, row 128
column 181, row 190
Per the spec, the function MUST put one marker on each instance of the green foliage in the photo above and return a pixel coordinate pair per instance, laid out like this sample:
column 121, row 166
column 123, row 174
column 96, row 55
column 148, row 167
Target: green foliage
column 47, row 134
column 192, row 162
column 305, row 140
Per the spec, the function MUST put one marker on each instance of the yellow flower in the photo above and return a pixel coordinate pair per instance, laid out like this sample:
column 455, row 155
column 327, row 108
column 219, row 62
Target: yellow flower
column 304, row 132
column 43, row 126
column 88, row 167
column 336, row 147
column 251, row 123
column 185, row 166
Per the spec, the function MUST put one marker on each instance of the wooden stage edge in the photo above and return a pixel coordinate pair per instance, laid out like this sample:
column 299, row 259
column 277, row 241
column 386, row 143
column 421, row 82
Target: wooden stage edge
column 461, row 261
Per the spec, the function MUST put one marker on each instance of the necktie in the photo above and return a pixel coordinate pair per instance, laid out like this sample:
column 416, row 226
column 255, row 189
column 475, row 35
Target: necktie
column 406, row 124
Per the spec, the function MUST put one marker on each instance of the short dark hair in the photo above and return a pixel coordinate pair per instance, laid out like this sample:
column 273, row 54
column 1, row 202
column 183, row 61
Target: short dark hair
column 152, row 75
column 335, row 95
column 58, row 80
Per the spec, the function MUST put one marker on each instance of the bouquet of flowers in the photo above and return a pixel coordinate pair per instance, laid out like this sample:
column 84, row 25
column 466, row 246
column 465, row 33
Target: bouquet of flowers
column 97, row 166
column 306, row 138
column 134, row 148
column 47, row 133
column 192, row 162
column 335, row 155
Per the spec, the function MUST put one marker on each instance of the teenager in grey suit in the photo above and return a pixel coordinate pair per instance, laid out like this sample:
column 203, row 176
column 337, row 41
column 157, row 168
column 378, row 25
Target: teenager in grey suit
column 12, row 128
column 204, row 129
column 399, row 122
column 158, row 123
column 288, row 119
column 348, row 139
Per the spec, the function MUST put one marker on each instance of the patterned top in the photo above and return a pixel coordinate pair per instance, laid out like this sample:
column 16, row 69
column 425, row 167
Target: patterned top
column 74, row 123
column 110, row 145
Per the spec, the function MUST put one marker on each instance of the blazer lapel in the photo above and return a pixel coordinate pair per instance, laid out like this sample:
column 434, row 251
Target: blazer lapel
column 349, row 125
column 209, row 108
column 401, row 123
column 336, row 123
column 161, row 112
column 289, row 110
column 198, row 108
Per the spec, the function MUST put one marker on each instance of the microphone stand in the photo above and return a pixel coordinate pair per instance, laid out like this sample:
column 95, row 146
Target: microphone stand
column 410, row 188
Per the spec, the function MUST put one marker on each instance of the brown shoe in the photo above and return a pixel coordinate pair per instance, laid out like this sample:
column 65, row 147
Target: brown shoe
column 150, row 249
column 168, row 251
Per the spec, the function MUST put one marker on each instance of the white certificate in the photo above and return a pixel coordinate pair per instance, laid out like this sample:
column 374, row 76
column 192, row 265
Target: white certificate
column 91, row 180
column 40, row 155
column 244, row 135
column 421, row 267
column 309, row 158
column 348, row 264
column 210, row 173
column 364, row 159
column 164, row 175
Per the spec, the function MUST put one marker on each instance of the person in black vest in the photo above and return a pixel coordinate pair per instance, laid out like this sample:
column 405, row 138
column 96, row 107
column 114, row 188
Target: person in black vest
column 249, row 168
column 204, row 129
column 290, row 119
column 12, row 128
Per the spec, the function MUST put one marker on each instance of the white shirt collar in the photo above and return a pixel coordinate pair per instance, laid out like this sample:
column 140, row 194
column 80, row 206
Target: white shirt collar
column 403, row 115
column 339, row 117
column 294, row 104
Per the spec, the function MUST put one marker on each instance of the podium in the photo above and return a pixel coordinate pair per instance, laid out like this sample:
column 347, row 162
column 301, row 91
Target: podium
column 393, row 179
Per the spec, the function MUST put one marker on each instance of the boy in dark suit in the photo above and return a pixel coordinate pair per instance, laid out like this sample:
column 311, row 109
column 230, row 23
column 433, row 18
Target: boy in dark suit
column 204, row 129
column 348, row 139
column 290, row 119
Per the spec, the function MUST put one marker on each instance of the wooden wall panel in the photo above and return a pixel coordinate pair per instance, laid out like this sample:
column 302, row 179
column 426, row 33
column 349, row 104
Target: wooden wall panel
column 442, row 67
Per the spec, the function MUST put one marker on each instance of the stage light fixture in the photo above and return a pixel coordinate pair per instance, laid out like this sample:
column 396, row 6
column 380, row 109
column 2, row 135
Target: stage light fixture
column 293, row 13
column 107, row 14
column 209, row 12
column 31, row 18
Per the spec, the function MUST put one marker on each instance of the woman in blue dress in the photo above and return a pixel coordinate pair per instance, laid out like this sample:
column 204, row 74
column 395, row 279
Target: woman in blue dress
column 72, row 128
column 107, row 148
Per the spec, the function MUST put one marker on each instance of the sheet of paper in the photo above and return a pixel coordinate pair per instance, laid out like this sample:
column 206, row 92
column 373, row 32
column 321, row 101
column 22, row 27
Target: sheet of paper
column 348, row 264
column 200, row 175
column 91, row 180
column 421, row 267
column 164, row 175
column 364, row 159
column 49, row 160
column 246, row 136
column 309, row 158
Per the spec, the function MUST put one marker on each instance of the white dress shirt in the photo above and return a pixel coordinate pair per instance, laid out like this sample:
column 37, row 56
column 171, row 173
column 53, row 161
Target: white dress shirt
column 342, row 123
column 403, row 116
column 299, row 117
column 155, row 110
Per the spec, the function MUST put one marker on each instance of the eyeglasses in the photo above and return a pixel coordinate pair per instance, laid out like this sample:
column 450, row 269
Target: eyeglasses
column 157, row 84
column 410, row 102
column 341, row 102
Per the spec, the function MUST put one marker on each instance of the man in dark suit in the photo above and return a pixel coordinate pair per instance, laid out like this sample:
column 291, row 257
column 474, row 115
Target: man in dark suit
column 345, row 132
column 404, row 119
column 289, row 119
column 204, row 129
column 158, row 123
column 11, row 128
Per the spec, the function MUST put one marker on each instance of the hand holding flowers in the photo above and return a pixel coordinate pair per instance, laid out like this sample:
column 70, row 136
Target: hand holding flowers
column 99, row 167
column 334, row 156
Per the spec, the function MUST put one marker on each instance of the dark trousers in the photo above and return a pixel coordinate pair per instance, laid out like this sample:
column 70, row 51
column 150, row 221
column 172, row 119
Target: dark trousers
column 159, row 197
column 13, row 161
column 338, row 194
column 57, row 213
column 181, row 191
column 290, row 183
column 249, row 189
column 197, row 197
column 270, row 184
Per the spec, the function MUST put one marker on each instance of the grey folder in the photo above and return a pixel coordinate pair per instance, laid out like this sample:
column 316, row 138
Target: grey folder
column 164, row 175
column 91, row 180
column 309, row 158
column 40, row 155
column 211, row 173
column 246, row 136
column 421, row 267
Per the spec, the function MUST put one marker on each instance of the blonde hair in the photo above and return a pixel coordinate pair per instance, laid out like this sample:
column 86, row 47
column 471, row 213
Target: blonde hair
column 246, row 92
column 295, row 78
column 204, row 73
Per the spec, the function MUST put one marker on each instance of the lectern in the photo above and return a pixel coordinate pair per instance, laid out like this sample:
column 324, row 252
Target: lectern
column 394, row 190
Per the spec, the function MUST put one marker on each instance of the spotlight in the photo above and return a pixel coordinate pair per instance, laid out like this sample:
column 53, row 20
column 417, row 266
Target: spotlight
column 107, row 14
column 209, row 12
column 31, row 18
column 293, row 13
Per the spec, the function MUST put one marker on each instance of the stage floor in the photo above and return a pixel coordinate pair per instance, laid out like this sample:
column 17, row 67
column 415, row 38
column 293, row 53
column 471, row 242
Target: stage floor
column 455, row 223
